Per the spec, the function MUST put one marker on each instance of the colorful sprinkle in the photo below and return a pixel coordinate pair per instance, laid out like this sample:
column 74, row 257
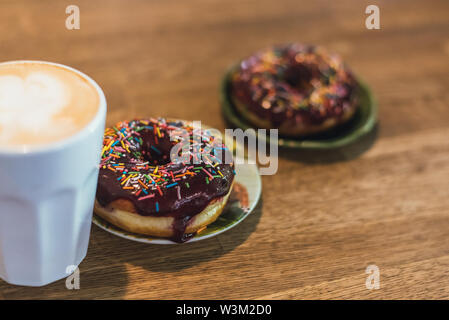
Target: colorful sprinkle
column 142, row 173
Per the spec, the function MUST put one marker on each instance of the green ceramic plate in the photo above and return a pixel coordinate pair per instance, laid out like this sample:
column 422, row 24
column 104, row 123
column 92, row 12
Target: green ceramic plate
column 363, row 121
column 242, row 201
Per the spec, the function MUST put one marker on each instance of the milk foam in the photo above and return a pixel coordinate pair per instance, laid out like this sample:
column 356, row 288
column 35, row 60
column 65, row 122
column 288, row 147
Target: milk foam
column 41, row 103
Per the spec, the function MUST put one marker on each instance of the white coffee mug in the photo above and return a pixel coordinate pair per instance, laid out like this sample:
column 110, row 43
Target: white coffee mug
column 46, row 201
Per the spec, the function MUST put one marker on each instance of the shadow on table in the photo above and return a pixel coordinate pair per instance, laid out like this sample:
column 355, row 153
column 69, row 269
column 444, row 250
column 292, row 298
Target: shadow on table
column 346, row 153
column 172, row 258
column 98, row 279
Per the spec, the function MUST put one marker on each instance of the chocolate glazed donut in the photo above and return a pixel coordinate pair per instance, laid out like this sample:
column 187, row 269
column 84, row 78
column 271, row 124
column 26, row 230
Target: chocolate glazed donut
column 139, row 184
column 298, row 89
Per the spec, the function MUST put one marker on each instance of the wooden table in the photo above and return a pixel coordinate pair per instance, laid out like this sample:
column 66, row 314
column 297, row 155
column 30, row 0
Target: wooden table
column 325, row 216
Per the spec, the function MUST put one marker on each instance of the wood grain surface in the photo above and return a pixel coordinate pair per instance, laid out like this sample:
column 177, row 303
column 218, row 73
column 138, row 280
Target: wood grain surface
column 325, row 216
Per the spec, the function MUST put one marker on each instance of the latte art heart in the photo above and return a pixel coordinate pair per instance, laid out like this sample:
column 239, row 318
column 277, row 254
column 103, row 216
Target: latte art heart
column 41, row 103
column 31, row 103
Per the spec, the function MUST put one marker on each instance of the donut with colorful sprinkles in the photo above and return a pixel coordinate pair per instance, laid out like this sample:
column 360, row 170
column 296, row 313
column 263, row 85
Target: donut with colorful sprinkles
column 298, row 89
column 163, row 178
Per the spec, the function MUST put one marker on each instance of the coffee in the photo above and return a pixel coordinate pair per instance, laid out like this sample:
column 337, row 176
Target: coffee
column 41, row 103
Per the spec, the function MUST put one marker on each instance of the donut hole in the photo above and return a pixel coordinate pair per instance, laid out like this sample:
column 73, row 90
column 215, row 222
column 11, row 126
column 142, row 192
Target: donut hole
column 156, row 159
column 299, row 77
column 156, row 150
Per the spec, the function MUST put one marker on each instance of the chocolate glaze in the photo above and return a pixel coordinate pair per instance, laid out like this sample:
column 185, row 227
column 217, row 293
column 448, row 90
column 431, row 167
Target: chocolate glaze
column 194, row 198
column 267, row 82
